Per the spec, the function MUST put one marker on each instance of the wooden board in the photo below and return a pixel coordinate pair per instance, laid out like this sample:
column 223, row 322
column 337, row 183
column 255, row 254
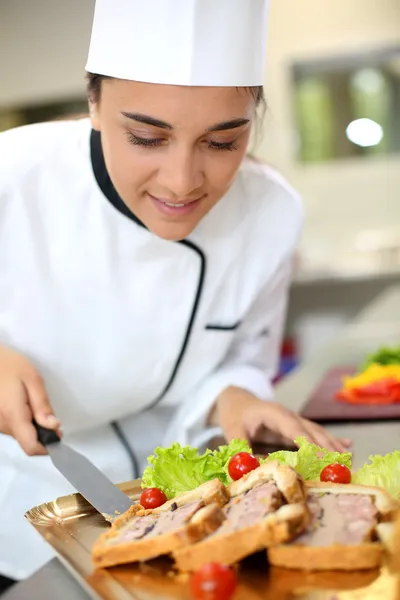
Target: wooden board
column 324, row 408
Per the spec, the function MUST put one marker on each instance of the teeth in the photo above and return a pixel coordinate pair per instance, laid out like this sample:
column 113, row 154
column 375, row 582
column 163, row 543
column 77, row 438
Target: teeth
column 174, row 205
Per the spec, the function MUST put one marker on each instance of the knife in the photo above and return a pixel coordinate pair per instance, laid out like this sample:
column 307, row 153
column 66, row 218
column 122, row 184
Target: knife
column 95, row 487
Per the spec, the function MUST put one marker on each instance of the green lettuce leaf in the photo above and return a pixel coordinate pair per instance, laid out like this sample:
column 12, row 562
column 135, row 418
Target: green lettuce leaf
column 175, row 469
column 222, row 456
column 381, row 471
column 310, row 459
column 179, row 468
column 286, row 457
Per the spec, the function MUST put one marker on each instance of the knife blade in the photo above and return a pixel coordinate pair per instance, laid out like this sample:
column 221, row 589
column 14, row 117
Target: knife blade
column 87, row 479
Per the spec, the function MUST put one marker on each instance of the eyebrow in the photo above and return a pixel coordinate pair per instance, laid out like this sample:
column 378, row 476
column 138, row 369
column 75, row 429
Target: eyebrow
column 147, row 120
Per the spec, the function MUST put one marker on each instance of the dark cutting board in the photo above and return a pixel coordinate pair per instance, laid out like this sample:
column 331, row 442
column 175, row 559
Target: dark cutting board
column 324, row 408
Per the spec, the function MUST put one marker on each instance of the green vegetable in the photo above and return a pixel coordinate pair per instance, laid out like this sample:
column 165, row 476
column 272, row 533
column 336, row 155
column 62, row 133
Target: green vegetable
column 179, row 468
column 381, row 471
column 310, row 459
column 383, row 356
column 223, row 455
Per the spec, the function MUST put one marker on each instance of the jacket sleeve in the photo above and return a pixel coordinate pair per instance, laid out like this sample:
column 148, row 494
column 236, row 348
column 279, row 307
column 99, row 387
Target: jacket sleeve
column 251, row 363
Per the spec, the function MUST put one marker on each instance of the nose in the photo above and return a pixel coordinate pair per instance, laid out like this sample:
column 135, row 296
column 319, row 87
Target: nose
column 181, row 172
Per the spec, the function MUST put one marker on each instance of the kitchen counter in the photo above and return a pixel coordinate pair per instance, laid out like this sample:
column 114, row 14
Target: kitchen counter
column 340, row 275
column 377, row 324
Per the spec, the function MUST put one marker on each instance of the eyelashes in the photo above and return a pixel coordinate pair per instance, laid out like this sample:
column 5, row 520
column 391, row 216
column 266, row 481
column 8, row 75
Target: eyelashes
column 146, row 142
column 229, row 146
column 157, row 142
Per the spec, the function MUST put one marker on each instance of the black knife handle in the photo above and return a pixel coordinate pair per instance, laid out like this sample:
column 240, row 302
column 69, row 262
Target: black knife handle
column 45, row 436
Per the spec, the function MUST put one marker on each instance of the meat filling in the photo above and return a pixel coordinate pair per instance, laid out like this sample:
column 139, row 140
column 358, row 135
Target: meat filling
column 135, row 529
column 174, row 519
column 154, row 525
column 344, row 519
column 250, row 507
column 242, row 511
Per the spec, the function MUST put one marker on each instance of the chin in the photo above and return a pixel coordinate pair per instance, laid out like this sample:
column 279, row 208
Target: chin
column 172, row 232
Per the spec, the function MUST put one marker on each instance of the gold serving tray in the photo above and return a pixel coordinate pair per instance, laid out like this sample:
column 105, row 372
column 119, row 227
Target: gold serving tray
column 70, row 525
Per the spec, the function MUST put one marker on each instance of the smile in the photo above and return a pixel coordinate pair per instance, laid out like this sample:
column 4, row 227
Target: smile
column 175, row 208
column 173, row 205
column 176, row 204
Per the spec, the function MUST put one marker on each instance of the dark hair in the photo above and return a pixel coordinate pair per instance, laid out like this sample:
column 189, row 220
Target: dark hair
column 94, row 89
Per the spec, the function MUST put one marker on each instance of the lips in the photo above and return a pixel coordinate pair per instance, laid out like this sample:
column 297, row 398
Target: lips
column 175, row 204
column 175, row 209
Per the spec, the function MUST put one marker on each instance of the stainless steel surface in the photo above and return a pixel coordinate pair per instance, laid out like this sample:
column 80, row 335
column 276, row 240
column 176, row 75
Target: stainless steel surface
column 378, row 324
column 53, row 582
column 71, row 525
column 98, row 490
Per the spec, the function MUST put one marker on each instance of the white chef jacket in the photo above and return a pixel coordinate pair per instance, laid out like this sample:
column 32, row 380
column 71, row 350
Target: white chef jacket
column 125, row 327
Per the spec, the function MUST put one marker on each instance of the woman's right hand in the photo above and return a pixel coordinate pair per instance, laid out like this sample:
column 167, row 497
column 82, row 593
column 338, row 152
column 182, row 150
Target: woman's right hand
column 23, row 398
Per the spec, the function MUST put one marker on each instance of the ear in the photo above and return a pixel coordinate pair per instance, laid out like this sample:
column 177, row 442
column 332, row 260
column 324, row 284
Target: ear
column 94, row 115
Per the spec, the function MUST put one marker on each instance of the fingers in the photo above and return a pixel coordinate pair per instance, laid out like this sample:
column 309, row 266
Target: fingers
column 230, row 419
column 347, row 443
column 244, row 416
column 282, row 430
column 278, row 419
column 25, row 434
column 23, row 398
column 39, row 402
column 233, row 429
column 324, row 438
column 289, row 425
column 17, row 417
column 321, row 438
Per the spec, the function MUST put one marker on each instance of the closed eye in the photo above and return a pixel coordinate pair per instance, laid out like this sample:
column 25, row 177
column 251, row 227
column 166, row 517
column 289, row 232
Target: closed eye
column 230, row 146
column 147, row 142
column 157, row 142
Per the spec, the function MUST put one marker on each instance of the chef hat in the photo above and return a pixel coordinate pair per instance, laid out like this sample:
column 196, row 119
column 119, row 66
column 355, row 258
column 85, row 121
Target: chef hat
column 180, row 42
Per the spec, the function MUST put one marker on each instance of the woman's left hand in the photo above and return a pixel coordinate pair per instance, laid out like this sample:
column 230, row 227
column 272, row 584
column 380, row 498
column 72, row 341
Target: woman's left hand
column 243, row 415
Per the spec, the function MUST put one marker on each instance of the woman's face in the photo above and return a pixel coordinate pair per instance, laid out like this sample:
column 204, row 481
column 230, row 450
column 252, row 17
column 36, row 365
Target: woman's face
column 172, row 152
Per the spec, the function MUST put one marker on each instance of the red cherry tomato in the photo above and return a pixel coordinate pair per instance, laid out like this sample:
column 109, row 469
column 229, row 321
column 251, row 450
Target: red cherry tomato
column 336, row 473
column 152, row 498
column 213, row 582
column 242, row 463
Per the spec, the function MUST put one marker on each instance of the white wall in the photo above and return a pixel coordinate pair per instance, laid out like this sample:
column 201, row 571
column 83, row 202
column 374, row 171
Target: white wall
column 341, row 197
column 43, row 47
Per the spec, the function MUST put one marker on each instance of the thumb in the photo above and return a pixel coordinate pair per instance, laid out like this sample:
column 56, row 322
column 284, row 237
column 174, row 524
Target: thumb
column 41, row 408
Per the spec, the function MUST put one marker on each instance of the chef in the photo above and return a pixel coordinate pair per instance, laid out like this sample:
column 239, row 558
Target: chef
column 144, row 259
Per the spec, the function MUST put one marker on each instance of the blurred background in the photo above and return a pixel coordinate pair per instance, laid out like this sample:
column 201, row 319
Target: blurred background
column 332, row 128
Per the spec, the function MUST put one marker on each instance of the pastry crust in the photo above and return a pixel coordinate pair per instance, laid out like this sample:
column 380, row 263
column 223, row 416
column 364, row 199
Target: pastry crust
column 210, row 492
column 391, row 539
column 287, row 480
column 332, row 558
column 108, row 552
column 276, row 527
column 386, row 505
column 204, row 522
column 363, row 556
